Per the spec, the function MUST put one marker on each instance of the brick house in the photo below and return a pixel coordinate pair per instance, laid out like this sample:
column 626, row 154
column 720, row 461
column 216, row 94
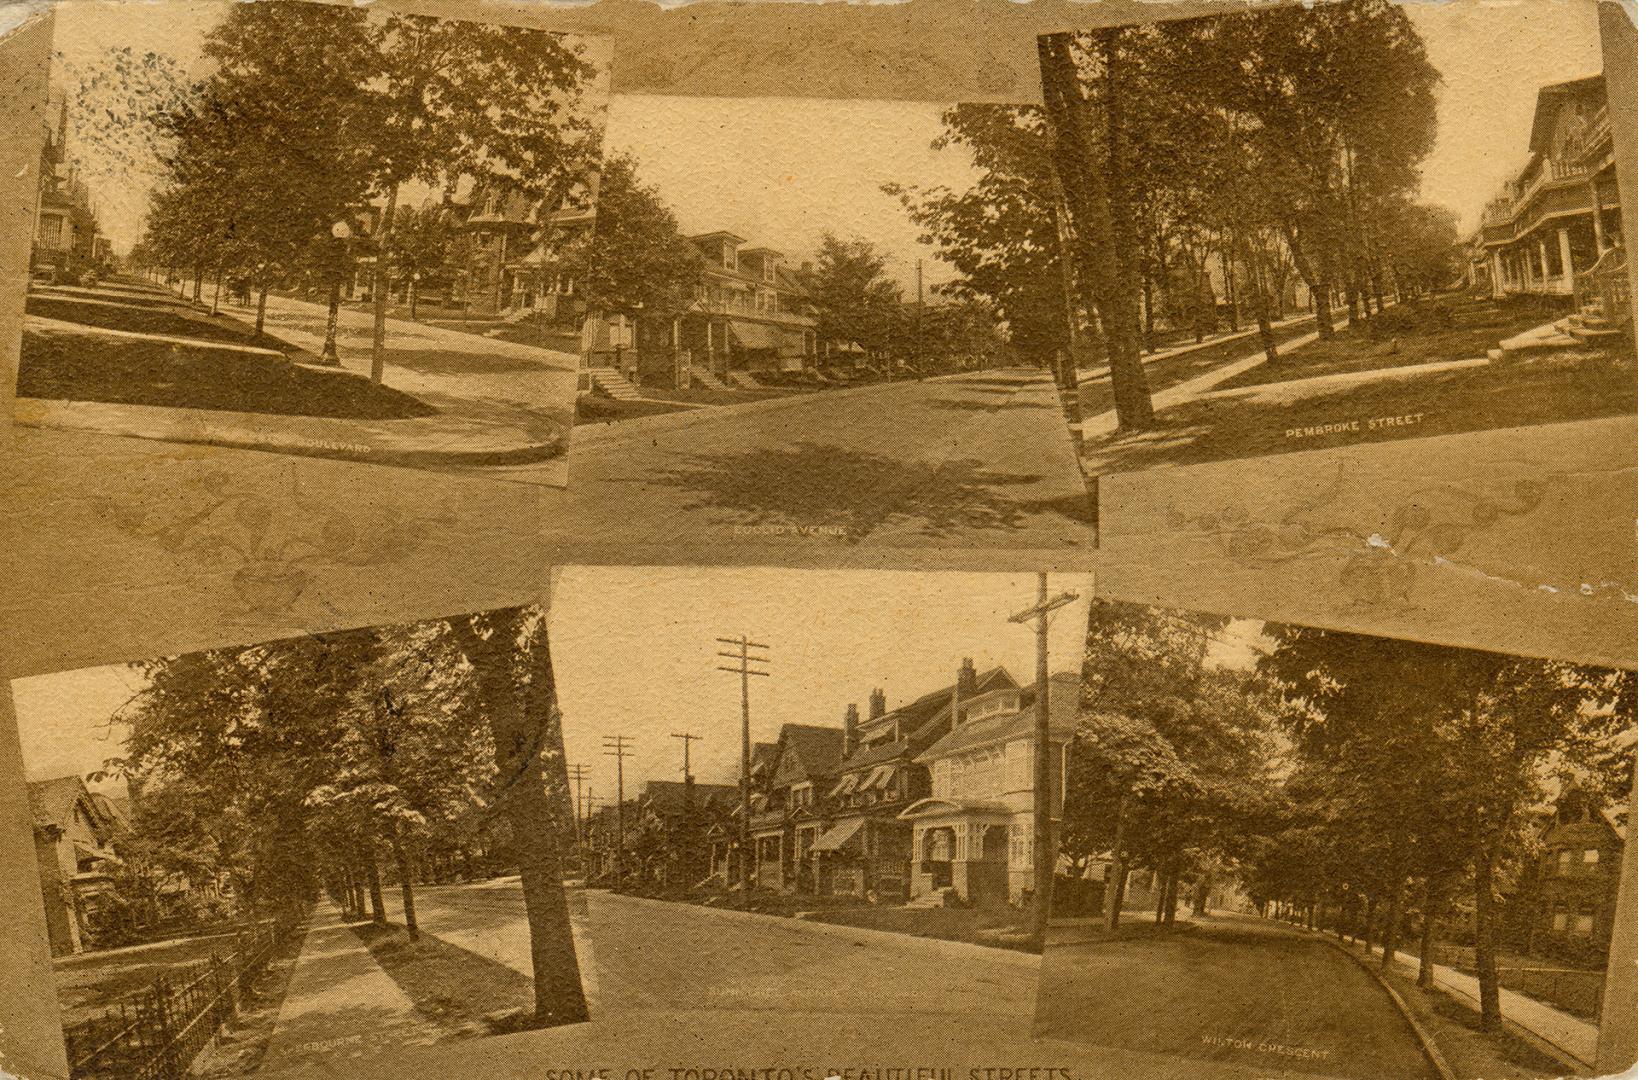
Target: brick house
column 1564, row 900
column 786, row 815
column 973, row 837
column 865, row 848
column 67, row 244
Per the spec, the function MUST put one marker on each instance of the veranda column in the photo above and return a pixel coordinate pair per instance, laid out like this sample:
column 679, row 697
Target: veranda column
column 1597, row 214
column 1546, row 267
column 1564, row 260
column 1497, row 275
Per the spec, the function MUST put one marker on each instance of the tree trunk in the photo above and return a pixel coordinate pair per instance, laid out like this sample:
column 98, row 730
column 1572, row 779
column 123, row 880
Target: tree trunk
column 1430, row 915
column 198, row 281
column 216, row 294
column 372, row 870
column 1202, row 893
column 1115, row 885
column 1171, row 896
column 523, row 725
column 1484, row 941
column 383, row 283
column 1390, row 924
column 1148, row 314
column 1160, row 897
column 1230, row 293
column 261, row 310
column 413, row 296
column 1101, row 216
column 1370, row 921
column 400, row 859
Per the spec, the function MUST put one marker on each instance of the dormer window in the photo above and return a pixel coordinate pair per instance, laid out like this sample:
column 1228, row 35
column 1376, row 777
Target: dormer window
column 767, row 269
column 730, row 256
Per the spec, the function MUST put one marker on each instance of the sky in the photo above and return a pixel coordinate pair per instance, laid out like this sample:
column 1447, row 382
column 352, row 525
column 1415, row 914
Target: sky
column 781, row 172
column 64, row 721
column 1494, row 57
column 635, row 653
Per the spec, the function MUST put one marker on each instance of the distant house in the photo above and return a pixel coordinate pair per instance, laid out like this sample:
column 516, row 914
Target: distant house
column 679, row 815
column 748, row 315
column 973, row 836
column 865, row 850
column 67, row 243
column 1564, row 900
column 74, row 830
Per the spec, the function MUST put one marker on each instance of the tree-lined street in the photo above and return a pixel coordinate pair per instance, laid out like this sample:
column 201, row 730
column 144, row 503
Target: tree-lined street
column 1229, row 992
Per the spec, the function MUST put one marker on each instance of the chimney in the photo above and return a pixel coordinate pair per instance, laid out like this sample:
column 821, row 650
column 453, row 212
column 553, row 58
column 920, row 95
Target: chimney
column 878, row 704
column 850, row 730
column 966, row 686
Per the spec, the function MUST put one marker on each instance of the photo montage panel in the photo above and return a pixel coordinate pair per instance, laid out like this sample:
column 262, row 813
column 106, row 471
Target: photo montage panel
column 1302, row 852
column 289, row 857
column 315, row 230
column 795, row 353
column 1312, row 227
column 772, row 841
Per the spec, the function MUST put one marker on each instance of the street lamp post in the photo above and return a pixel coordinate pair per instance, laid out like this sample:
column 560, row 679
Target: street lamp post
column 341, row 233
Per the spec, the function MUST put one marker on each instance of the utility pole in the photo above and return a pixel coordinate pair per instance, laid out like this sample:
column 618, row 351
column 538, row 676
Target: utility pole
column 690, row 841
column 577, row 773
column 1617, row 1029
column 918, row 313
column 744, row 670
column 686, row 737
column 1045, row 855
column 617, row 747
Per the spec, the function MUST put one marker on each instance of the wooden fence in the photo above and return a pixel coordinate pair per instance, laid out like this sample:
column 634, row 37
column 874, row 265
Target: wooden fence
column 156, row 1034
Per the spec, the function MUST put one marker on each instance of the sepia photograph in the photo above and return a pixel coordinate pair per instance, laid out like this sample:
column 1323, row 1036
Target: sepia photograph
column 778, row 351
column 821, row 788
column 292, row 855
column 1317, row 226
column 308, row 229
column 1307, row 852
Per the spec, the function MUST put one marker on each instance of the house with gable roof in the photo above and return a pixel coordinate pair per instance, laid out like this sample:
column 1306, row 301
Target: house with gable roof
column 786, row 816
column 74, row 831
column 865, row 848
column 973, row 837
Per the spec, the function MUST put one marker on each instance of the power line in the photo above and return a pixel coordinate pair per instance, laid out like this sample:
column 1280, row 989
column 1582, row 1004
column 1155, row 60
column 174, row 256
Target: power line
column 617, row 747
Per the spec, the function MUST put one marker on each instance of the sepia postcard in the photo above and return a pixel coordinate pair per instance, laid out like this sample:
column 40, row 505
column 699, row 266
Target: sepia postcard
column 305, row 229
column 1300, row 852
column 255, row 858
column 1310, row 228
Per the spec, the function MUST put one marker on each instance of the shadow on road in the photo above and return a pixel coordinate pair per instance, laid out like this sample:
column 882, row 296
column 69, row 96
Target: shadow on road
column 463, row 993
column 448, row 362
column 814, row 484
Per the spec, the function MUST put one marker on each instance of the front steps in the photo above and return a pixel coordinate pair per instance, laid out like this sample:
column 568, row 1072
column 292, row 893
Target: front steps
column 614, row 384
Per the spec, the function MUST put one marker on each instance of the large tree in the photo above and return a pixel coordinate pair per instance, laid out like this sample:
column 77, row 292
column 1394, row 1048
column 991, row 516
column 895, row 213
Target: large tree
column 851, row 296
column 1001, row 235
column 636, row 257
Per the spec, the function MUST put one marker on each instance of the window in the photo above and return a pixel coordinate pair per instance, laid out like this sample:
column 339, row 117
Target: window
column 1560, row 920
column 767, row 269
column 1564, row 861
column 51, row 232
column 1583, row 925
column 1590, row 856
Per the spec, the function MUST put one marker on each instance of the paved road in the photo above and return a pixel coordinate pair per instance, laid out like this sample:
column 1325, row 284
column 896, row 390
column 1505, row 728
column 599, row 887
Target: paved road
column 1234, row 992
column 664, row 982
column 980, row 461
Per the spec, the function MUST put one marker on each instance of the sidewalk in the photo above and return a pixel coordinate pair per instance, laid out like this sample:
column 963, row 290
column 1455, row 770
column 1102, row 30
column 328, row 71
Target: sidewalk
column 340, row 1004
column 1193, row 346
column 1576, row 1038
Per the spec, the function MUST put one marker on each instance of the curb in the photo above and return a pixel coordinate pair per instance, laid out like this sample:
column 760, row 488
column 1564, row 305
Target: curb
column 958, row 950
column 192, row 428
column 1424, row 1038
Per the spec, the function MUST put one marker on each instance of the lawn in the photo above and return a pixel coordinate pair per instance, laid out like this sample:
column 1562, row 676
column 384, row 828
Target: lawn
column 160, row 315
column 1448, row 327
column 91, row 982
column 1002, row 928
column 1574, row 384
column 595, row 408
column 92, row 367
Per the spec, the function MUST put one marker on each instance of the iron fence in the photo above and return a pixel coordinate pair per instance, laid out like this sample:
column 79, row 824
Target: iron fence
column 156, row 1034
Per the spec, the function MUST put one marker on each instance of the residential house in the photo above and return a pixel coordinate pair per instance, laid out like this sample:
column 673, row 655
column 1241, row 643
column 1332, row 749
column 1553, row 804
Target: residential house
column 1564, row 899
column 67, row 245
column 865, row 848
column 973, row 837
column 723, row 836
column 786, row 815
column 74, row 830
column 1555, row 227
column 672, row 820
column 748, row 315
